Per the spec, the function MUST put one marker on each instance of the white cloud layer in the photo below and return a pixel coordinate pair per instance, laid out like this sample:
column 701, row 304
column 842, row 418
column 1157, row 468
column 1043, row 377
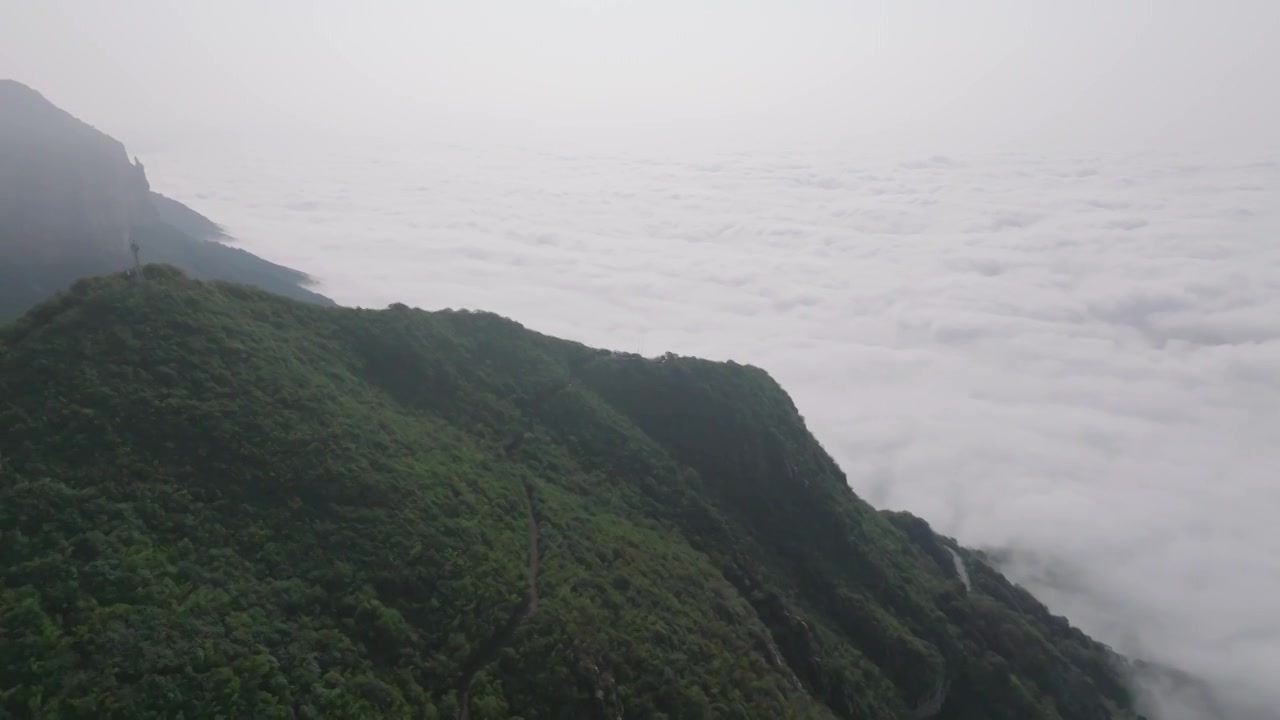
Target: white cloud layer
column 1078, row 358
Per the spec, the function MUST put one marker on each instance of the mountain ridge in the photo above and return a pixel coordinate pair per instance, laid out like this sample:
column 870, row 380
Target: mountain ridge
column 330, row 510
column 72, row 203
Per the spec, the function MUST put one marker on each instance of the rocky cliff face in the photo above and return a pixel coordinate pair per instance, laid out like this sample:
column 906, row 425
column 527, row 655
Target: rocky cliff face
column 71, row 203
column 67, row 190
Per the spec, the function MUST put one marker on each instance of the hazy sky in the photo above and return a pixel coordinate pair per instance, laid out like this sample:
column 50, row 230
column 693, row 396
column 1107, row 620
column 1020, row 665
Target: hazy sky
column 941, row 75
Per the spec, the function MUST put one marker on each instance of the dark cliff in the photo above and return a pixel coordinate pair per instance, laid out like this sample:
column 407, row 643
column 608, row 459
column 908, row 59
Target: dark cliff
column 66, row 190
column 71, row 202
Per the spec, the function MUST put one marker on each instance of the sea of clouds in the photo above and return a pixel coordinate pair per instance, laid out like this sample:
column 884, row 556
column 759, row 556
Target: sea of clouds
column 1074, row 359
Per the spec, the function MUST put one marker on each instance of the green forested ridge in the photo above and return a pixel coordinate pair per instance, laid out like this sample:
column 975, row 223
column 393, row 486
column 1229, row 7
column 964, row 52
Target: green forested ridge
column 216, row 502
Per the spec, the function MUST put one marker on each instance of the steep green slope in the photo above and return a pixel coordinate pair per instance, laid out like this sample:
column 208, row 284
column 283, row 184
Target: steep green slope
column 223, row 503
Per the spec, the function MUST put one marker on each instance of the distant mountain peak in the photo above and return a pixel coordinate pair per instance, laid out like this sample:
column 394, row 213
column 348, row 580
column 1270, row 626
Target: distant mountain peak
column 72, row 201
column 27, row 114
column 66, row 188
column 11, row 90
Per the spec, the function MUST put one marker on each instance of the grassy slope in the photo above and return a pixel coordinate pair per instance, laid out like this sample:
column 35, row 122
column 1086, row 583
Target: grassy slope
column 219, row 499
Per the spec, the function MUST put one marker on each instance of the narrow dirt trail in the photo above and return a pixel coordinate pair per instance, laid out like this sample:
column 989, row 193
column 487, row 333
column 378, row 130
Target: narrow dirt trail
column 489, row 649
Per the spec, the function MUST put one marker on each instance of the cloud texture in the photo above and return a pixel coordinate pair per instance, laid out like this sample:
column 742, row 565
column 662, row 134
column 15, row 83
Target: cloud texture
column 1075, row 358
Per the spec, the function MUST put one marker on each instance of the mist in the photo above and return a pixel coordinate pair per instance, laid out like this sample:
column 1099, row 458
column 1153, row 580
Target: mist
column 1017, row 262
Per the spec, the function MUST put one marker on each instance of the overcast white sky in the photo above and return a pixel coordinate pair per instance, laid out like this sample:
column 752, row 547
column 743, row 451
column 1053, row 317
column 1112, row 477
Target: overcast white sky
column 926, row 74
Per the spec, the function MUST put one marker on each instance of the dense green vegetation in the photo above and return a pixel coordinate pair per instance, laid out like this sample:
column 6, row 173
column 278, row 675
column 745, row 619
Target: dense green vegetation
column 216, row 502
